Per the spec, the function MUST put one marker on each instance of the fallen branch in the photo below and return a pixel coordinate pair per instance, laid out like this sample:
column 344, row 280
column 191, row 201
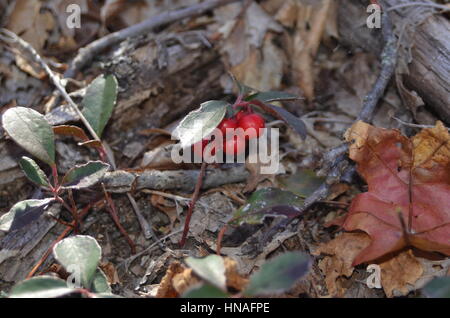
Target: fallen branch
column 87, row 53
column 425, row 46
column 121, row 181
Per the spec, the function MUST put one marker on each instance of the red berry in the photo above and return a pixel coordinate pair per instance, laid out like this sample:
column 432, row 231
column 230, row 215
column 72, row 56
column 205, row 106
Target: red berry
column 230, row 123
column 241, row 114
column 252, row 121
column 234, row 145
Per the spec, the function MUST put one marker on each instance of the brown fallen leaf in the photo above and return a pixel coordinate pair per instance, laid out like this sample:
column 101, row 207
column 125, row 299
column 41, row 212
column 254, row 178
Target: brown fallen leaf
column 399, row 272
column 27, row 20
column 311, row 23
column 166, row 288
column 110, row 271
column 338, row 263
column 179, row 279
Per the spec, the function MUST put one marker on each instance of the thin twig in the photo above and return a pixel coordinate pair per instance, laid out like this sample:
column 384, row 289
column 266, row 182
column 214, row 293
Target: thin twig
column 419, row 4
column 414, row 125
column 144, row 224
column 86, row 54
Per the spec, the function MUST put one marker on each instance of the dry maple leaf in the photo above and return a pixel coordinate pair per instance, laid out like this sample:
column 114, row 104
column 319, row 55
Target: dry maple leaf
column 408, row 202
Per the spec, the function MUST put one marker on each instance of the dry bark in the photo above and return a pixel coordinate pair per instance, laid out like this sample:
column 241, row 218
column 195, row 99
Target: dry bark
column 429, row 67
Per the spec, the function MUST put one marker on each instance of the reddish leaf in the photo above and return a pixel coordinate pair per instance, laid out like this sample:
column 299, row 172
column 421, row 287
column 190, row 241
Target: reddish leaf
column 68, row 130
column 408, row 202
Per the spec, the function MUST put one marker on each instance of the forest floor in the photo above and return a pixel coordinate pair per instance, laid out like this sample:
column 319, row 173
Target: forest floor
column 322, row 51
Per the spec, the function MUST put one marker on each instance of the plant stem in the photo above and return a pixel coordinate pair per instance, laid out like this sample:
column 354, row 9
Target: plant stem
column 113, row 212
column 195, row 197
column 66, row 231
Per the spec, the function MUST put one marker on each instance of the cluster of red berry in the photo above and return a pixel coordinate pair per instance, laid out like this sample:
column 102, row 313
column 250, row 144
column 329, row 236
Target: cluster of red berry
column 235, row 145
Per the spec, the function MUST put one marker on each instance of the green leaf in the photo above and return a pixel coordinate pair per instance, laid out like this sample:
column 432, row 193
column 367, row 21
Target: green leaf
column 33, row 172
column 79, row 252
column 200, row 123
column 100, row 283
column 205, row 291
column 23, row 213
column 303, row 183
column 243, row 90
column 99, row 102
column 210, row 268
column 31, row 131
column 279, row 112
column 272, row 96
column 267, row 202
column 85, row 175
column 279, row 274
column 40, row 287
column 438, row 288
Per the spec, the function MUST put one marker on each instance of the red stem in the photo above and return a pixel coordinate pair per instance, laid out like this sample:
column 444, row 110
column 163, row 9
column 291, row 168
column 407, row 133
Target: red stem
column 112, row 211
column 194, row 199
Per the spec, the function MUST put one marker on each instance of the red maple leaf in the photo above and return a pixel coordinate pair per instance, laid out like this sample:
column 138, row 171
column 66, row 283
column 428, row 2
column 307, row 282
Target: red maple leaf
column 408, row 202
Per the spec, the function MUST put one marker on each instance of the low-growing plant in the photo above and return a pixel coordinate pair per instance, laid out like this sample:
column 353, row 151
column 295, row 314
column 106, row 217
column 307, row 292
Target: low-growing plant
column 80, row 256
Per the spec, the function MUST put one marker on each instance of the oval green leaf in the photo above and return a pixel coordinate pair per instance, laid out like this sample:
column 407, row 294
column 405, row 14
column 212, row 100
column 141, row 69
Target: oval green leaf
column 33, row 172
column 205, row 291
column 200, row 123
column 267, row 202
column 40, row 287
column 99, row 102
column 31, row 131
column 279, row 274
column 210, row 268
column 438, row 288
column 23, row 213
column 272, row 96
column 85, row 175
column 100, row 283
column 79, row 252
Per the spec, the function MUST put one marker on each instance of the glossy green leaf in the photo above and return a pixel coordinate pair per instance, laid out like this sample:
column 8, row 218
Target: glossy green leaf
column 200, row 123
column 272, row 96
column 99, row 102
column 205, row 291
column 438, row 288
column 100, row 283
column 33, row 172
column 80, row 253
column 85, row 175
column 23, row 213
column 31, row 131
column 279, row 274
column 267, row 202
column 210, row 268
column 40, row 287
